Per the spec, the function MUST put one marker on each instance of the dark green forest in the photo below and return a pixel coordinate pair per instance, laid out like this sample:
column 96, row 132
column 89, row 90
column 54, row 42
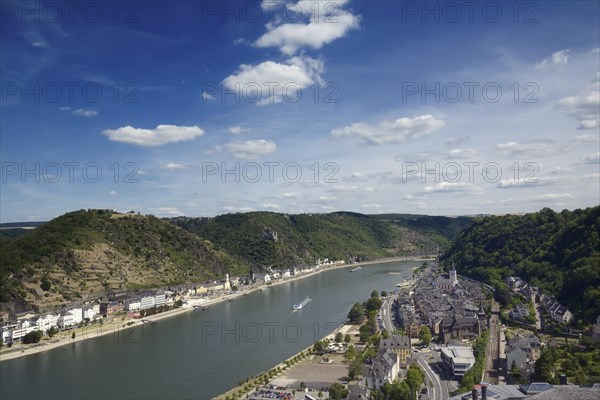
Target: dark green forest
column 558, row 252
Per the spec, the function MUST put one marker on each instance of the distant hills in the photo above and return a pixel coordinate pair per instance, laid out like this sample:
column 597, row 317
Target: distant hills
column 88, row 253
column 558, row 252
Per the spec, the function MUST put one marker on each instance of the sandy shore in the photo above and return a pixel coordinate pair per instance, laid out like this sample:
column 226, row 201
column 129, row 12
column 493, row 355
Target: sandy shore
column 116, row 326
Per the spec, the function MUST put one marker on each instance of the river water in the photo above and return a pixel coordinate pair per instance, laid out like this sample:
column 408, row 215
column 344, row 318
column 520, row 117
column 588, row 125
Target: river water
column 199, row 354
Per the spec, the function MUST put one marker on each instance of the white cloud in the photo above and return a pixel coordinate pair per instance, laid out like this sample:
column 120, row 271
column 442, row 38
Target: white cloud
column 80, row 111
column 592, row 158
column 324, row 26
column 271, row 206
column 452, row 187
column 532, row 148
column 372, row 205
column 271, row 82
column 561, row 57
column 461, row 153
column 158, row 136
column 554, row 196
column 251, row 149
column 517, row 183
column 85, row 113
column 586, row 106
column 238, row 209
column 238, row 130
column 113, row 193
column 289, row 195
column 165, row 211
column 174, row 166
column 396, row 131
column 587, row 138
column 207, row 96
column 588, row 124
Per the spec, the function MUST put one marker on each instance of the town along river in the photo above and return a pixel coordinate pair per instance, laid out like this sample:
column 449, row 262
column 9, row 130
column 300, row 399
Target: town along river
column 202, row 353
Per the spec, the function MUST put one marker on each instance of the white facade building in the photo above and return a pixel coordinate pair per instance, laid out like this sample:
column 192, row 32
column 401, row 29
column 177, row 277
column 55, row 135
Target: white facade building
column 159, row 299
column 133, row 304
column 147, row 302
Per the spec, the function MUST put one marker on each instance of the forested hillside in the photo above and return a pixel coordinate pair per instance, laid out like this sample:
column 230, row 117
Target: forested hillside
column 274, row 239
column 558, row 252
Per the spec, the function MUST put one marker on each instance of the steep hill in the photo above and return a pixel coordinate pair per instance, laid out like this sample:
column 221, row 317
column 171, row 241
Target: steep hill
column 84, row 253
column 559, row 252
column 272, row 239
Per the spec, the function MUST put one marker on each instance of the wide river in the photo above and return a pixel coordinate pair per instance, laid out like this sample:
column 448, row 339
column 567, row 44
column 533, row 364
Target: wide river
column 199, row 354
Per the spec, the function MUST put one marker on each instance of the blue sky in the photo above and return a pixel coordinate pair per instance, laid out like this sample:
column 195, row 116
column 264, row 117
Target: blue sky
column 201, row 108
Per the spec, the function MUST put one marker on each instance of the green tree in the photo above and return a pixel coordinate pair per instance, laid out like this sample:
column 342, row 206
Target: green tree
column 33, row 337
column 356, row 315
column 384, row 293
column 73, row 335
column 339, row 337
column 425, row 335
column 544, row 366
column 374, row 293
column 347, row 338
column 45, row 283
column 52, row 331
column 414, row 379
column 337, row 391
column 319, row 347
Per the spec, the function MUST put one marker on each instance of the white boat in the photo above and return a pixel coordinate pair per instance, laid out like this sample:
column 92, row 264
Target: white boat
column 355, row 269
column 300, row 306
column 404, row 283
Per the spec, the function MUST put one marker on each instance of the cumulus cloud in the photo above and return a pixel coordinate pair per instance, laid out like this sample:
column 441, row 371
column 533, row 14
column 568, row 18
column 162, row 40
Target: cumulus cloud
column 561, row 57
column 113, row 193
column 251, row 149
column 271, row 82
column 161, row 135
column 207, row 96
column 238, row 130
column 316, row 23
column 585, row 106
column 387, row 132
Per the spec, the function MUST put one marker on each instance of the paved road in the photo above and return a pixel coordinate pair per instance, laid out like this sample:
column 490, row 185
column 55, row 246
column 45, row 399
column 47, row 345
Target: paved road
column 437, row 390
column 386, row 314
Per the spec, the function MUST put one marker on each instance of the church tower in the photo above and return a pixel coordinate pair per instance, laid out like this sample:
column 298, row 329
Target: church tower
column 453, row 275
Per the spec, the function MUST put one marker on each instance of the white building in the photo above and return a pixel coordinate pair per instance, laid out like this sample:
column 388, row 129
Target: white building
column 45, row 322
column 147, row 301
column 286, row 274
column 89, row 313
column 458, row 359
column 159, row 299
column 66, row 320
column 77, row 315
column 133, row 304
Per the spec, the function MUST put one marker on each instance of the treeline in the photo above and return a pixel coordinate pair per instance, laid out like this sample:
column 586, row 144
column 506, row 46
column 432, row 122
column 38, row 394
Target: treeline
column 558, row 252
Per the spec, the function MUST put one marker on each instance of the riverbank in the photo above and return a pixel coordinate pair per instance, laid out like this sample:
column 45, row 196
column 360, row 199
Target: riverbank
column 294, row 369
column 118, row 327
